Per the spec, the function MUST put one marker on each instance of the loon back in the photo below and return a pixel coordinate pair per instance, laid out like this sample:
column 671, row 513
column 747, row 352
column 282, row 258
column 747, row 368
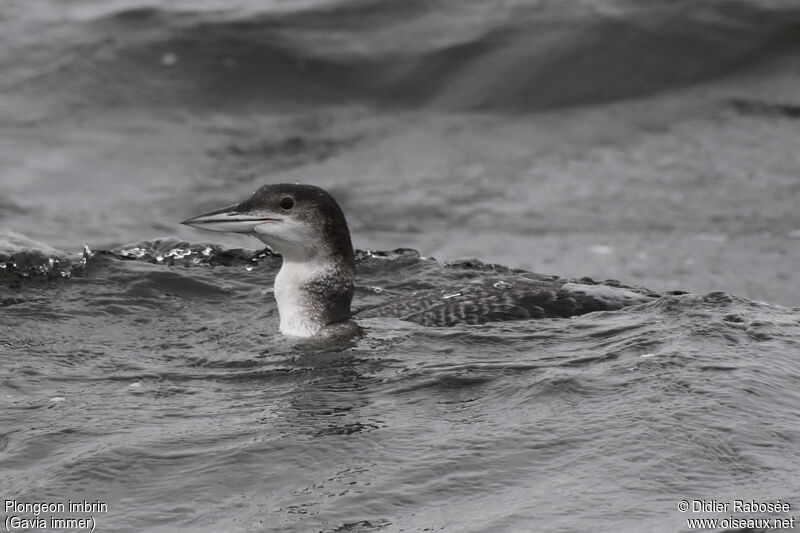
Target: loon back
column 494, row 300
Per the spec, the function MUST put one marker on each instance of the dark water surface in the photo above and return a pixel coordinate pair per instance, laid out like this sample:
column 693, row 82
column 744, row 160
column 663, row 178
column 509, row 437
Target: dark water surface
column 152, row 379
column 653, row 142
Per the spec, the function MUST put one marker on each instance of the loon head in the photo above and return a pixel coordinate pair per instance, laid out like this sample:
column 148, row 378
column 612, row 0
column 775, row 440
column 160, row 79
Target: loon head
column 300, row 222
column 306, row 226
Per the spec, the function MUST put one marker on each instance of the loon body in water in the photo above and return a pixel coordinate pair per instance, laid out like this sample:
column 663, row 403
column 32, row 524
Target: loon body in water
column 314, row 287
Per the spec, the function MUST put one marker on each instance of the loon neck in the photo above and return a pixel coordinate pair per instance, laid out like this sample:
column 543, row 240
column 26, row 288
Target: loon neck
column 313, row 292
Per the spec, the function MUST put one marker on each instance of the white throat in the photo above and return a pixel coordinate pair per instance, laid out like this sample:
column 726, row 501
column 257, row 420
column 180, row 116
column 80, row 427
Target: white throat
column 299, row 318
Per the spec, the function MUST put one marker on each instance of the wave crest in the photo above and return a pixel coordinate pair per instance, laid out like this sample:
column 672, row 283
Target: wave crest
column 468, row 55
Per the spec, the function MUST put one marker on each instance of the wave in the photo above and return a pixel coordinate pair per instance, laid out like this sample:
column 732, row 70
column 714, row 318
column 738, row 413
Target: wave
column 390, row 271
column 21, row 258
column 526, row 55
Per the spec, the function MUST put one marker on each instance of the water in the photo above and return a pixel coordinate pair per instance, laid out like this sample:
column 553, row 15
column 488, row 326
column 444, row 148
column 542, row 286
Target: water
column 151, row 378
column 653, row 142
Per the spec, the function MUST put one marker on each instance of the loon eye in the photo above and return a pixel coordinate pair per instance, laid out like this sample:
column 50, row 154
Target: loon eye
column 287, row 202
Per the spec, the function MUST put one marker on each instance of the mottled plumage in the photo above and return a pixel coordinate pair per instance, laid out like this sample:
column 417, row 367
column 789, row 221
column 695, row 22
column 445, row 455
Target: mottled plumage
column 496, row 300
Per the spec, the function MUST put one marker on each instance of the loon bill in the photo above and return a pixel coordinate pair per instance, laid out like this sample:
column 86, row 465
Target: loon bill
column 314, row 287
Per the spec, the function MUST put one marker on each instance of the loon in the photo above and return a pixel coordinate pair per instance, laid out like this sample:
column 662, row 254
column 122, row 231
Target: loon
column 314, row 287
